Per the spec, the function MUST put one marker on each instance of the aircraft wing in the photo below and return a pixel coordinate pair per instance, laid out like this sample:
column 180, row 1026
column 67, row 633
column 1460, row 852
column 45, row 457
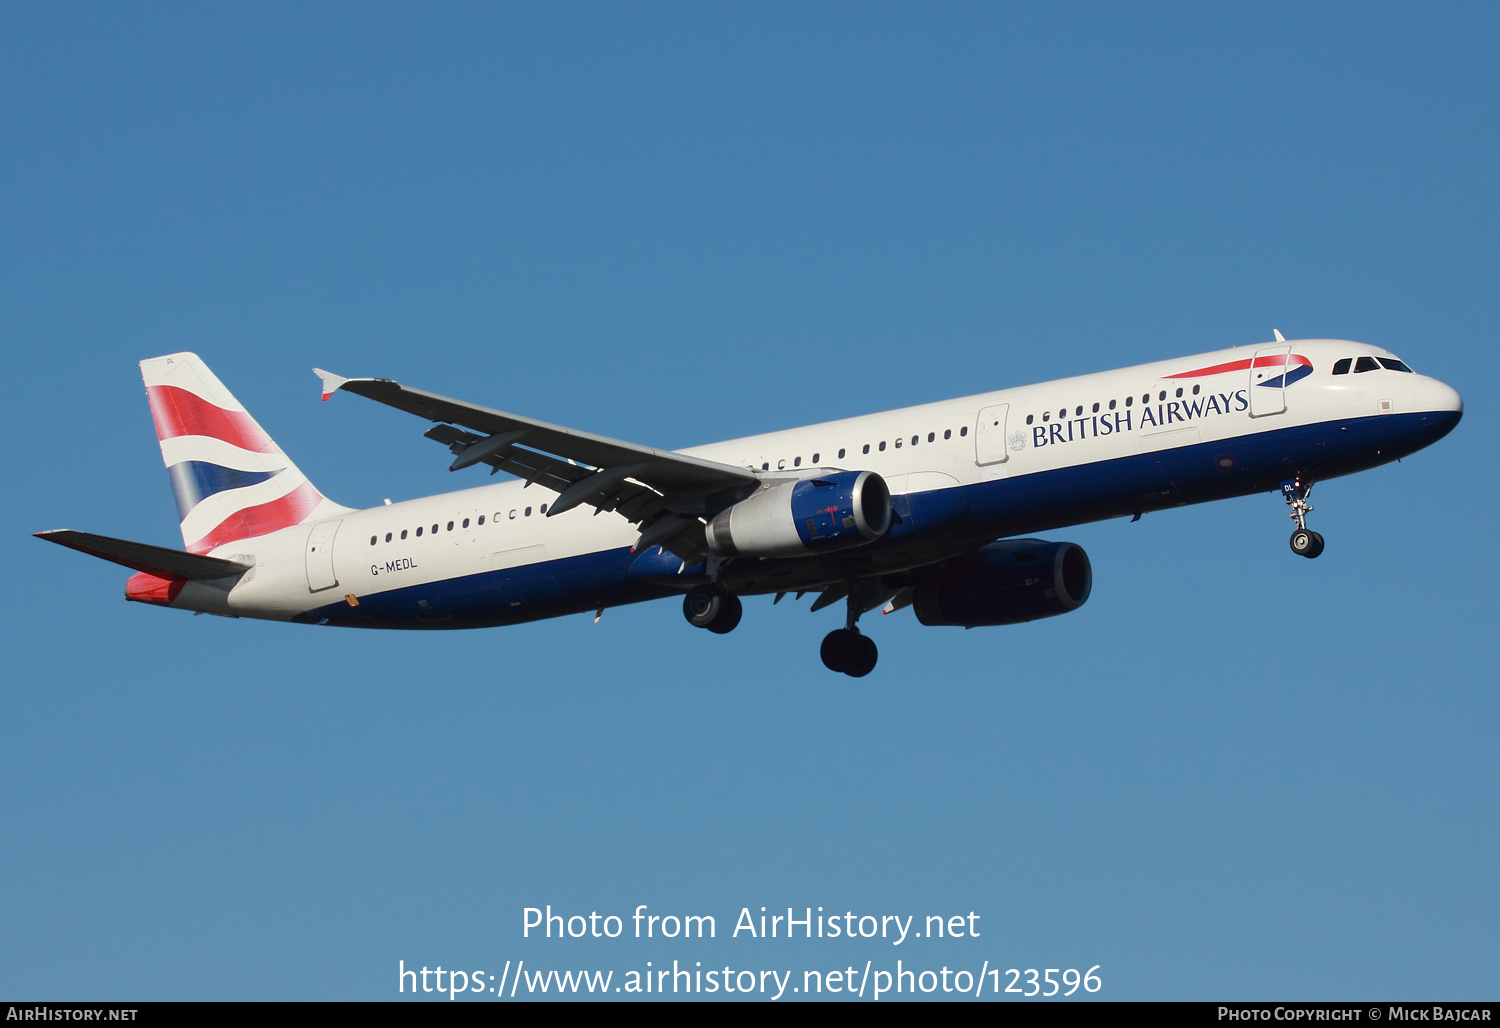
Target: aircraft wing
column 664, row 492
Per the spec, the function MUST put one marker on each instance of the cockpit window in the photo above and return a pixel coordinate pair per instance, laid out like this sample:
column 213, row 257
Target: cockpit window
column 1392, row 364
column 1366, row 364
column 1342, row 367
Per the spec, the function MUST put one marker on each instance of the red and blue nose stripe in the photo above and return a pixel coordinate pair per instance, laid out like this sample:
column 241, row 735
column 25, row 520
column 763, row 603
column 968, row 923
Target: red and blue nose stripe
column 1298, row 367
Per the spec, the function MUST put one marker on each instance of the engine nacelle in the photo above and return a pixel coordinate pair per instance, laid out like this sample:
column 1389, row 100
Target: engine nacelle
column 1006, row 583
column 813, row 515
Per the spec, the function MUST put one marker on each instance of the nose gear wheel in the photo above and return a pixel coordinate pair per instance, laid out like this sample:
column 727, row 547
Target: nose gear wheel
column 1304, row 541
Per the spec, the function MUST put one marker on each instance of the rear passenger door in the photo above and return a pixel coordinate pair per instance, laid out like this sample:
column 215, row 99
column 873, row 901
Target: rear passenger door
column 320, row 574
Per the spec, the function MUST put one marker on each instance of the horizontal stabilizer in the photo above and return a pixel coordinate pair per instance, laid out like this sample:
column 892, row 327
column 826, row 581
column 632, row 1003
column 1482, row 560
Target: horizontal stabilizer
column 156, row 560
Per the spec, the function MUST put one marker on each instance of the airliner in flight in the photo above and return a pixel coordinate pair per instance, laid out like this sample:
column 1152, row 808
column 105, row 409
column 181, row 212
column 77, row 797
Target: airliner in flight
column 931, row 507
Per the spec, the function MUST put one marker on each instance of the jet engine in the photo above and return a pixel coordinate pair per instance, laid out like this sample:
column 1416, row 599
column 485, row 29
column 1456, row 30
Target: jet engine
column 828, row 512
column 1006, row 583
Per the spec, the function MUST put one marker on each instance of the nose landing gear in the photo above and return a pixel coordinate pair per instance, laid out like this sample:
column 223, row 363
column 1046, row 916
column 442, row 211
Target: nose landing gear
column 1304, row 541
column 844, row 649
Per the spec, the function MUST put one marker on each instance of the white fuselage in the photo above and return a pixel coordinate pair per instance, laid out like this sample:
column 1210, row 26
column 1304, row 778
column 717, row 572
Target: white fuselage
column 952, row 444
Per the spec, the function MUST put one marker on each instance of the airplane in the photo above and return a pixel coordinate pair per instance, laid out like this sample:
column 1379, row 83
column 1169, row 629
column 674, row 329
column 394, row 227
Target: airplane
column 933, row 507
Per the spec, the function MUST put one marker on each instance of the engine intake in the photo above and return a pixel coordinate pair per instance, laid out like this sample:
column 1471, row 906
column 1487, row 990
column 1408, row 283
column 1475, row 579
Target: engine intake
column 1006, row 583
column 813, row 515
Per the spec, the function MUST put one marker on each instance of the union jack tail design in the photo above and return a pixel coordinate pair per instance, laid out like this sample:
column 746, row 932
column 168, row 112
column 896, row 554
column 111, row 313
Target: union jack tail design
column 230, row 480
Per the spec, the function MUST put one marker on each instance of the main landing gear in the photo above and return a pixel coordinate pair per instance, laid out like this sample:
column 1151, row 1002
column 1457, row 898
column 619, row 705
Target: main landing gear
column 844, row 649
column 710, row 607
column 1305, row 542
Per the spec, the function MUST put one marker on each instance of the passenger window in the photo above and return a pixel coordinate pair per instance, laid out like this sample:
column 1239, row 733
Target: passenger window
column 435, row 528
column 1391, row 364
column 766, row 466
column 543, row 508
column 1163, row 395
column 528, row 512
column 882, row 446
column 948, row 432
column 898, row 444
column 419, row 531
column 841, row 453
column 1096, row 408
column 466, row 522
column 1129, row 400
column 1111, row 405
column 1146, row 398
column 1063, row 413
column 1195, row 390
column 797, row 463
column 450, row 527
column 372, row 539
column 1030, row 418
column 1079, row 412
column 1046, row 415
column 964, row 430
column 403, row 533
column 931, row 436
column 867, row 447
column 1341, row 367
column 1179, row 390
column 481, row 519
column 781, row 464
column 1366, row 364
column 914, row 440
column 388, row 536
column 513, row 515
column 816, row 456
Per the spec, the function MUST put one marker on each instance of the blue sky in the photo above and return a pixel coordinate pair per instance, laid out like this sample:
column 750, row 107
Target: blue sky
column 1233, row 774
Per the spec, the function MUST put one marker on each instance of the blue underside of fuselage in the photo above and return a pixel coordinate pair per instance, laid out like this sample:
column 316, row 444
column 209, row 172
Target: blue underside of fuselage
column 929, row 526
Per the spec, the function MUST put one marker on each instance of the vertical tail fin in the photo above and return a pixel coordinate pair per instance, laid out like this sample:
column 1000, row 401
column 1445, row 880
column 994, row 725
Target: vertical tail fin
column 230, row 480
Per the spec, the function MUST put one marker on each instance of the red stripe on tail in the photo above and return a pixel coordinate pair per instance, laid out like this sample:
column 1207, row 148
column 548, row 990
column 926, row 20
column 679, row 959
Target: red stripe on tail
column 178, row 412
column 285, row 512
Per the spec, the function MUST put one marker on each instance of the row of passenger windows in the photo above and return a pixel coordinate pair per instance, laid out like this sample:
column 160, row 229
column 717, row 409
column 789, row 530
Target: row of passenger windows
column 781, row 465
column 1129, row 401
column 499, row 516
column 1341, row 367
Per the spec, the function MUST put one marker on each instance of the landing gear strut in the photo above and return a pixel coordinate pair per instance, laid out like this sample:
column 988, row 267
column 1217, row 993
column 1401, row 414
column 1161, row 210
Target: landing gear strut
column 1304, row 542
column 710, row 607
column 844, row 649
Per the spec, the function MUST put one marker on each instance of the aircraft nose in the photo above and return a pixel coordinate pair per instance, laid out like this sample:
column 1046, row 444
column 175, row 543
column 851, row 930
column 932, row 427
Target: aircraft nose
column 1439, row 396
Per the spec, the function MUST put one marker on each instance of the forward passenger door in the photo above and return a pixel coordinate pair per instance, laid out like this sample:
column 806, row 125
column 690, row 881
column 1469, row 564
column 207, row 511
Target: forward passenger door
column 1268, row 381
column 989, row 435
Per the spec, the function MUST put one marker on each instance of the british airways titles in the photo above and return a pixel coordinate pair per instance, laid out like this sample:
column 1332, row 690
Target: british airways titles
column 1165, row 413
